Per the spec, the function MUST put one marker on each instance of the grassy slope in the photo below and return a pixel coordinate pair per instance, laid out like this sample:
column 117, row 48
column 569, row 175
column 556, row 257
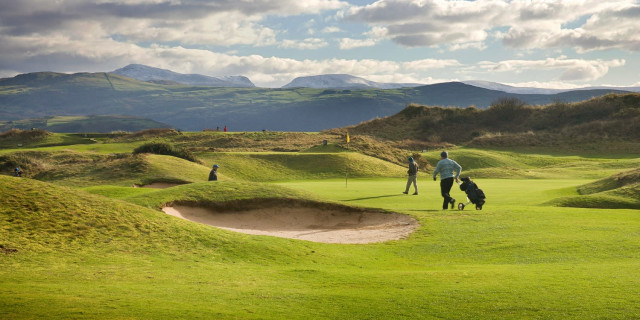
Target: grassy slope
column 294, row 166
column 482, row 163
column 621, row 190
column 489, row 264
column 594, row 123
column 83, row 255
column 83, row 169
column 102, row 123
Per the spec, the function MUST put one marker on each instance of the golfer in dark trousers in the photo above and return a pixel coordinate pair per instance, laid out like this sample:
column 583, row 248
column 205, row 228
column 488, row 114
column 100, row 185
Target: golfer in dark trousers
column 413, row 176
column 448, row 169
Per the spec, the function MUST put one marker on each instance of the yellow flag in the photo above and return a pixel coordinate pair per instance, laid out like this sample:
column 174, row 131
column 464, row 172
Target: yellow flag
column 348, row 137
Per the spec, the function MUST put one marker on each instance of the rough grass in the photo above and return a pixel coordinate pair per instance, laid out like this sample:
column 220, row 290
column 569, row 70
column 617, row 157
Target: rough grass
column 84, row 169
column 508, row 123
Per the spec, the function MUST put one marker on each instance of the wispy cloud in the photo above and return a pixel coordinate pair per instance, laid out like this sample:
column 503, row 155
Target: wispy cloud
column 572, row 69
column 306, row 44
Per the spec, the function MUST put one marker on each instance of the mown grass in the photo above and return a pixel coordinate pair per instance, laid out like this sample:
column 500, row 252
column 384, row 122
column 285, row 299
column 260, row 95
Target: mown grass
column 106, row 251
column 273, row 166
column 515, row 259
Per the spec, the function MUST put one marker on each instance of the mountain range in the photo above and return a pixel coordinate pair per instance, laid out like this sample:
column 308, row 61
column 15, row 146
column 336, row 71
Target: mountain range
column 163, row 76
column 325, row 81
column 193, row 108
column 343, row 81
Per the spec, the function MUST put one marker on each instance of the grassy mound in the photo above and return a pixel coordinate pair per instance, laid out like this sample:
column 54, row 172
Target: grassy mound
column 166, row 149
column 15, row 137
column 295, row 166
column 84, row 169
column 511, row 123
column 620, row 191
column 616, row 181
column 42, row 217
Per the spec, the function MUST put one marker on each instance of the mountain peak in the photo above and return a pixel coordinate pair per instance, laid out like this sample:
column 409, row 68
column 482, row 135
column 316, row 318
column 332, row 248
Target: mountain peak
column 342, row 81
column 152, row 74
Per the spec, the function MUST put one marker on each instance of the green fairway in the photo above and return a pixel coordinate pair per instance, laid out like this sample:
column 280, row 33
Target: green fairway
column 77, row 241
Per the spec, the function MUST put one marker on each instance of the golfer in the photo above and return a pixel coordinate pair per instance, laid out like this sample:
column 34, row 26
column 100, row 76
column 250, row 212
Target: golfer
column 413, row 176
column 448, row 169
column 213, row 175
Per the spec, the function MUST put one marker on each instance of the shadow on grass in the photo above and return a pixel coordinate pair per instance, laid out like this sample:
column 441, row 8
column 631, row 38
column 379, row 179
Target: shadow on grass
column 375, row 197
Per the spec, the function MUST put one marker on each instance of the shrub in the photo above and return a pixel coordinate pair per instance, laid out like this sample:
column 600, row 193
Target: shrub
column 168, row 150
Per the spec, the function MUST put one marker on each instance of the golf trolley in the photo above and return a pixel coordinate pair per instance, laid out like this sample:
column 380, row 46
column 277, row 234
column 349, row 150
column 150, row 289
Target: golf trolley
column 474, row 194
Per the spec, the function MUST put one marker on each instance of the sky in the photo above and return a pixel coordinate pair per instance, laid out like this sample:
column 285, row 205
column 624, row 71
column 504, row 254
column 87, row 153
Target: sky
column 547, row 44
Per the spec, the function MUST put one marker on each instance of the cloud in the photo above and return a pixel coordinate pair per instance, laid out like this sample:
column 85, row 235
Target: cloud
column 372, row 37
column 572, row 69
column 306, row 44
column 38, row 53
column 583, row 25
column 348, row 43
column 190, row 22
column 429, row 64
column 331, row 30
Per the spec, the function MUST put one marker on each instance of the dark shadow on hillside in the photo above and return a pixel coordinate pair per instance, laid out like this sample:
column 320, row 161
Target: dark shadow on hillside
column 376, row 197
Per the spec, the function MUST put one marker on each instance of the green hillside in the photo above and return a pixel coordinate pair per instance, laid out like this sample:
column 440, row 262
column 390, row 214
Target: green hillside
column 39, row 95
column 512, row 123
column 84, row 124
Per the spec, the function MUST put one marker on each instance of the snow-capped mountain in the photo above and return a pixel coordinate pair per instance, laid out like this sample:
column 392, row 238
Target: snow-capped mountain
column 530, row 90
column 146, row 73
column 343, row 81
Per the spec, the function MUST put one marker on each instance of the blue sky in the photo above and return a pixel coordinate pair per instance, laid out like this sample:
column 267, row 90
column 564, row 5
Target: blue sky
column 553, row 44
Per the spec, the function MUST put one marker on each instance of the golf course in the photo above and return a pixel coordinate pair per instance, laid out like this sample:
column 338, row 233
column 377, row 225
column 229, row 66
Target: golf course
column 307, row 226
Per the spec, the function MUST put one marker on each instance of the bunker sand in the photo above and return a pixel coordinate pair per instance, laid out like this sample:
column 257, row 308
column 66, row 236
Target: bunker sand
column 304, row 223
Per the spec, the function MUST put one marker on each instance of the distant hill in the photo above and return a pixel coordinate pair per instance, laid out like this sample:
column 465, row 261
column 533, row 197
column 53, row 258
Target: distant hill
column 530, row 90
column 163, row 76
column 84, row 124
column 512, row 123
column 343, row 81
column 192, row 108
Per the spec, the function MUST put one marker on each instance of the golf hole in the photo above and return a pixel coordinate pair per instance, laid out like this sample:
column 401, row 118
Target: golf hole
column 318, row 222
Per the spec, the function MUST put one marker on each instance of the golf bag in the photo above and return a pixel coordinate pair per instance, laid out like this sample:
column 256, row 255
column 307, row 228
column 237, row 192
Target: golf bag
column 475, row 195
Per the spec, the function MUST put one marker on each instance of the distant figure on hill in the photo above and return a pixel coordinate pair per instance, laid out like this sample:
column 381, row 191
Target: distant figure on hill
column 17, row 172
column 213, row 175
column 413, row 176
column 225, row 128
column 218, row 128
column 446, row 168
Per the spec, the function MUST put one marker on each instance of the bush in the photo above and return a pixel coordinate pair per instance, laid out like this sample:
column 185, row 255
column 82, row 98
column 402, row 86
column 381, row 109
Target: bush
column 168, row 150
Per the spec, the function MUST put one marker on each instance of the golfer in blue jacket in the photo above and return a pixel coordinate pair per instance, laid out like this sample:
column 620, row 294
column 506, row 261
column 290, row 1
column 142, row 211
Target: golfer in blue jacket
column 448, row 169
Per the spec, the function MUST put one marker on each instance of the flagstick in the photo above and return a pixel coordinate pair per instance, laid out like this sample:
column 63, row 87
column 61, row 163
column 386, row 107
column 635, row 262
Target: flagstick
column 346, row 175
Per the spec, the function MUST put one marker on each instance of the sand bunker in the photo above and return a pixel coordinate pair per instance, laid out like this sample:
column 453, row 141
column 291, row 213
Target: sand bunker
column 329, row 225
